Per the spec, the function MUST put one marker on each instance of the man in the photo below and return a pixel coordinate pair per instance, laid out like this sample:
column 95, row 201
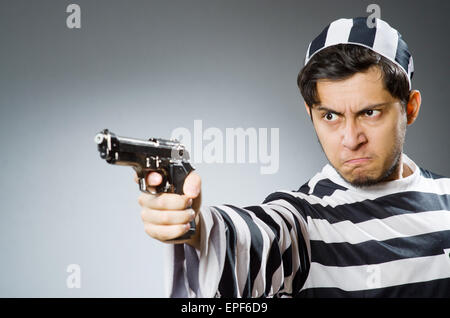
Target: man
column 371, row 223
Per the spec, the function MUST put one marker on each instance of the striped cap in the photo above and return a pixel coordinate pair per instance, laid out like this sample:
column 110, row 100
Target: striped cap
column 381, row 38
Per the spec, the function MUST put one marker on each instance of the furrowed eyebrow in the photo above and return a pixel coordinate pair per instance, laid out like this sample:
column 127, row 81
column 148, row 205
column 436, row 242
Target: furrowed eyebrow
column 325, row 108
column 368, row 107
column 372, row 107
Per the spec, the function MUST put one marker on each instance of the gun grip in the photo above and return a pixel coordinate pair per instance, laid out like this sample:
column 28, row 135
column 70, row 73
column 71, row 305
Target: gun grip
column 178, row 174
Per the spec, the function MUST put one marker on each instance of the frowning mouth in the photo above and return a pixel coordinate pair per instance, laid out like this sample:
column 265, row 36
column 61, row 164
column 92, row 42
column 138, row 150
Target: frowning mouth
column 357, row 161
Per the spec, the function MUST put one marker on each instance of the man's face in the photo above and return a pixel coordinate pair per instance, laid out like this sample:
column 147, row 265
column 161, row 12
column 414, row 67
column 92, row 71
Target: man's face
column 360, row 127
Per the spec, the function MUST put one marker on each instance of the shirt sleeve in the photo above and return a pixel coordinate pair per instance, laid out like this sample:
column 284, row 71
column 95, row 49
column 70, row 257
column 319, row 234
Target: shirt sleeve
column 256, row 251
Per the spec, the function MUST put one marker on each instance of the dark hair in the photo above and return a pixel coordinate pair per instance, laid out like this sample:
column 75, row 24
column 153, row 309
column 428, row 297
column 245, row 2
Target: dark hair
column 339, row 62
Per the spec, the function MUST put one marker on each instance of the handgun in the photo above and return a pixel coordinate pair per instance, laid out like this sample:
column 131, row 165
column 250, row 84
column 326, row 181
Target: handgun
column 165, row 156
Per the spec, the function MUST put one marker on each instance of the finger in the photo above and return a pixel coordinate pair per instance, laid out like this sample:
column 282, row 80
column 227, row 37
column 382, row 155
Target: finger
column 164, row 201
column 167, row 217
column 192, row 185
column 166, row 232
column 154, row 178
column 196, row 203
column 144, row 199
column 136, row 179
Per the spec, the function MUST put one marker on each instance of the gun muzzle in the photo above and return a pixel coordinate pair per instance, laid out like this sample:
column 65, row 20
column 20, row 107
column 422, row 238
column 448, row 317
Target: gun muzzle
column 103, row 140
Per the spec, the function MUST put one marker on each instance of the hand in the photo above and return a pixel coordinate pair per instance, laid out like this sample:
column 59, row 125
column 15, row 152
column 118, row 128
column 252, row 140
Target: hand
column 166, row 216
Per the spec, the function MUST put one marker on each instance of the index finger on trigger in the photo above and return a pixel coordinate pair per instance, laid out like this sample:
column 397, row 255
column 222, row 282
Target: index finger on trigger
column 154, row 178
column 164, row 201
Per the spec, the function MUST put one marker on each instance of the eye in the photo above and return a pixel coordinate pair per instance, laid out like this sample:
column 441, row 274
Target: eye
column 329, row 116
column 372, row 112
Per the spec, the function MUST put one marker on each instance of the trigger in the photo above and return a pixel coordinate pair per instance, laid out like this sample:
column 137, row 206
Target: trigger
column 143, row 187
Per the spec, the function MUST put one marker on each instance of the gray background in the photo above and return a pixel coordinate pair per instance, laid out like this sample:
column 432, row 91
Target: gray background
column 141, row 69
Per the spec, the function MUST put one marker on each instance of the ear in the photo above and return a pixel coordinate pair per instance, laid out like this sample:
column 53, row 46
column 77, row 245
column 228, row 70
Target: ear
column 413, row 107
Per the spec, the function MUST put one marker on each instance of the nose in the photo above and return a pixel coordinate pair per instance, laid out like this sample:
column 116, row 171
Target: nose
column 353, row 136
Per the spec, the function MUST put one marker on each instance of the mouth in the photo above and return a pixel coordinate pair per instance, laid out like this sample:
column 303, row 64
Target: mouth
column 357, row 161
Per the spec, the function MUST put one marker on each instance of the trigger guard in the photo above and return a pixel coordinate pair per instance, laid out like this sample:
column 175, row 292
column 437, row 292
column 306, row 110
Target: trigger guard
column 143, row 187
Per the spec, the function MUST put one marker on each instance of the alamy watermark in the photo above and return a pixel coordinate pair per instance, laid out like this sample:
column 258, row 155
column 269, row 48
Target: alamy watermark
column 73, row 280
column 73, row 20
column 235, row 145
column 373, row 279
column 375, row 11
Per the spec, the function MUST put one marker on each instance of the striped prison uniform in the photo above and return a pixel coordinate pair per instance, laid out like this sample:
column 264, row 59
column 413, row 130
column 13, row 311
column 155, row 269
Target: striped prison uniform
column 328, row 239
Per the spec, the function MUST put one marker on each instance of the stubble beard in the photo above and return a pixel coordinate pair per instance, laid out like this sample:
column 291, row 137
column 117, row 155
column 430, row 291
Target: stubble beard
column 387, row 173
column 365, row 181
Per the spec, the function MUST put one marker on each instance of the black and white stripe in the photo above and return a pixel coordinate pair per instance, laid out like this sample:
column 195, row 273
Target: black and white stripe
column 327, row 239
column 382, row 38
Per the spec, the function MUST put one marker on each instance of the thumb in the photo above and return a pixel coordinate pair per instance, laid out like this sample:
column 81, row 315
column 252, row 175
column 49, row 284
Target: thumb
column 192, row 185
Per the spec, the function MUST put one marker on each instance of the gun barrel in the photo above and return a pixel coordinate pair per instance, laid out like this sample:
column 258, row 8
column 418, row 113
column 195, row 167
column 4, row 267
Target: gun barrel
column 99, row 138
column 111, row 146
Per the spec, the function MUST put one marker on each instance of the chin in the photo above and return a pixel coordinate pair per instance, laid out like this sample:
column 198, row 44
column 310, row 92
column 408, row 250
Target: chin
column 369, row 179
column 359, row 178
column 364, row 182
